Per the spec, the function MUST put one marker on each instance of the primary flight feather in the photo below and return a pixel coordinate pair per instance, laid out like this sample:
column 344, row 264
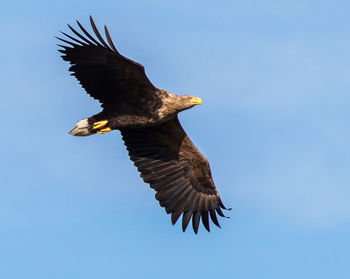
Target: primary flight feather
column 147, row 119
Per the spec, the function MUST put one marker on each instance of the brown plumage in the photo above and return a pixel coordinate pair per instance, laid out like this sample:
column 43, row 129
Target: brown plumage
column 147, row 119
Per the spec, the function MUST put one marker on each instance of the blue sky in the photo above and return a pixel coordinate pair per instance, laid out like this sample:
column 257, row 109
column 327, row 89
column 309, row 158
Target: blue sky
column 274, row 124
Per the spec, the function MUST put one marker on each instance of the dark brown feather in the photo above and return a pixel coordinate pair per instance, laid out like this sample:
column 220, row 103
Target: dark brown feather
column 174, row 217
column 110, row 42
column 107, row 76
column 205, row 220
column 195, row 221
column 74, row 39
column 214, row 218
column 86, row 34
column 185, row 219
column 98, row 35
column 174, row 167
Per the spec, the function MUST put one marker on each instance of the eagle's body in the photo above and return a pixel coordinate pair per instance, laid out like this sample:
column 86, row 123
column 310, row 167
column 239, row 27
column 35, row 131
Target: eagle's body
column 137, row 113
column 147, row 119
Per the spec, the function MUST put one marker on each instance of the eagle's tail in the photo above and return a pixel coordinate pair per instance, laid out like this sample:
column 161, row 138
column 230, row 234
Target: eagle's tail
column 89, row 126
column 82, row 128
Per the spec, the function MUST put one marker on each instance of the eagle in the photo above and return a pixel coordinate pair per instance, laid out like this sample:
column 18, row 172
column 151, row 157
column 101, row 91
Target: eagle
column 147, row 118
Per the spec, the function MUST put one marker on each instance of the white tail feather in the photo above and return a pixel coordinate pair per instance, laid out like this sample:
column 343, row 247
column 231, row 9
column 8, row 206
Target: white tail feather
column 81, row 128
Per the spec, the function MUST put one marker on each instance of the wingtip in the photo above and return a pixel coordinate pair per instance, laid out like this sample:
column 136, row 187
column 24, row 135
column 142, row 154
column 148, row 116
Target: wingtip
column 77, row 21
column 91, row 20
column 109, row 40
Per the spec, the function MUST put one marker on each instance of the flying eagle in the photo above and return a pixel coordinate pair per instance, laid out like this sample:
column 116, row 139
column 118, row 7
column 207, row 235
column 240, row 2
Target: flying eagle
column 147, row 118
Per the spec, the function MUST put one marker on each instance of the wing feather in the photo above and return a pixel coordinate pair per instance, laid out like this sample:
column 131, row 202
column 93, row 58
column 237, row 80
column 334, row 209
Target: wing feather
column 86, row 34
column 205, row 220
column 185, row 219
column 105, row 74
column 109, row 40
column 74, row 39
column 98, row 35
column 214, row 218
column 172, row 165
column 195, row 221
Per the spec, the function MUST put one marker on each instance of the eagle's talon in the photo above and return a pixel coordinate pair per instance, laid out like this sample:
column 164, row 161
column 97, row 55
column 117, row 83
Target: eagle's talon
column 105, row 130
column 100, row 124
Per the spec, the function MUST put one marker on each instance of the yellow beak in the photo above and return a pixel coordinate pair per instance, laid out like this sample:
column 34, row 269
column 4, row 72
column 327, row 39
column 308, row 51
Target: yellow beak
column 196, row 101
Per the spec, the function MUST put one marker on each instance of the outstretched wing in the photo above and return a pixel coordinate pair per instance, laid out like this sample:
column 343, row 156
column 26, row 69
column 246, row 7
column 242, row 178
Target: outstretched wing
column 173, row 166
column 102, row 71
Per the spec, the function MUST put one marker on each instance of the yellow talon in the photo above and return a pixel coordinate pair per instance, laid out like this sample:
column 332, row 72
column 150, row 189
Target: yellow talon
column 100, row 124
column 105, row 130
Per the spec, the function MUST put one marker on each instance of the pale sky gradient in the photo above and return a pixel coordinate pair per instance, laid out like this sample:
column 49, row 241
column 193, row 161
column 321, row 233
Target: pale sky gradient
column 274, row 125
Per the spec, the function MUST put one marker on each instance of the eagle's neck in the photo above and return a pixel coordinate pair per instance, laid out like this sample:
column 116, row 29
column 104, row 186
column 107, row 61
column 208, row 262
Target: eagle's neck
column 171, row 104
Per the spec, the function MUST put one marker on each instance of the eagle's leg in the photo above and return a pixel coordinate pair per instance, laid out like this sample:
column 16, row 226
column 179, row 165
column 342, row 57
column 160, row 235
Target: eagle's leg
column 99, row 124
column 90, row 126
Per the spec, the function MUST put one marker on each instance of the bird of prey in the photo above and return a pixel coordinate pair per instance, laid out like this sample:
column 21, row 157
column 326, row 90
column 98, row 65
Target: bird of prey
column 147, row 118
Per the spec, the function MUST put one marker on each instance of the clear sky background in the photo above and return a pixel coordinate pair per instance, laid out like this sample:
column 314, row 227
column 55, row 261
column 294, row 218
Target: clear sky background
column 274, row 125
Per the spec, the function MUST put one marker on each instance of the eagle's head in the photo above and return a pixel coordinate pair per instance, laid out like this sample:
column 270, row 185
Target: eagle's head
column 188, row 101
